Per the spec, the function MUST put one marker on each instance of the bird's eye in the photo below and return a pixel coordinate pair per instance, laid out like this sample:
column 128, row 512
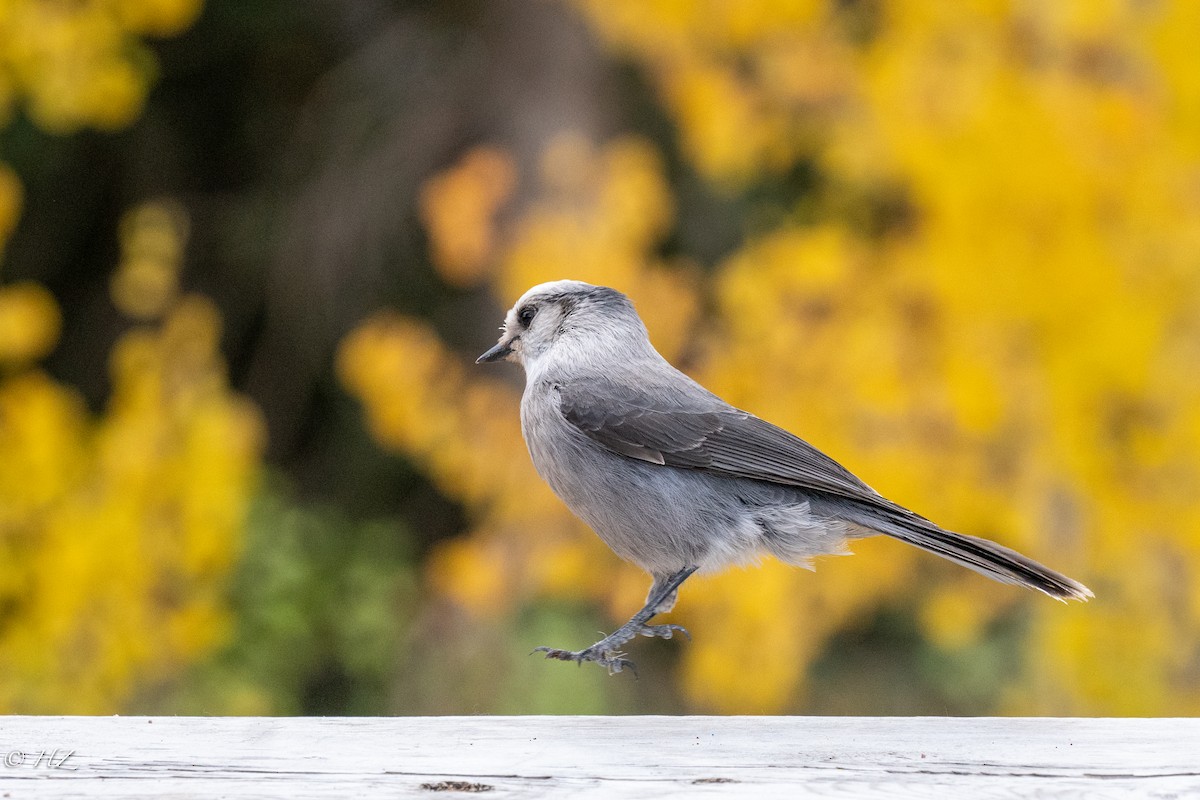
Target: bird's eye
column 526, row 315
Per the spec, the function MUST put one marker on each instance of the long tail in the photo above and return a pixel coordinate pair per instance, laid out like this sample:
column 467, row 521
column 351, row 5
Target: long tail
column 982, row 555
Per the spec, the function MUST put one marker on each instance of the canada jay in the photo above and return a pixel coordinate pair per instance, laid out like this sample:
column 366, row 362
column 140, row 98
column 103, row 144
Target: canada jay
column 675, row 479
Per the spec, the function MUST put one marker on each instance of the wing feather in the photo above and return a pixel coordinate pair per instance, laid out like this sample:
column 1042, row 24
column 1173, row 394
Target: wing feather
column 680, row 424
column 696, row 430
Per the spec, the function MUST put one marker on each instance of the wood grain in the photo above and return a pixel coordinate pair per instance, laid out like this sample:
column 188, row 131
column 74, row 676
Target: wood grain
column 609, row 757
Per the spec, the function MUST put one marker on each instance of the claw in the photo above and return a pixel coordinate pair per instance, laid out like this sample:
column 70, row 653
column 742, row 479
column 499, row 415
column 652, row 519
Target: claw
column 612, row 661
column 617, row 664
column 553, row 652
column 664, row 631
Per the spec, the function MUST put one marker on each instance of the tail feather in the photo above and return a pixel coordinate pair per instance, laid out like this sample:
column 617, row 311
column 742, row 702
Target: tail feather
column 982, row 555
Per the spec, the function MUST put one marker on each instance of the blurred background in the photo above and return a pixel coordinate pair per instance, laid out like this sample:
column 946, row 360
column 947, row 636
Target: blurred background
column 250, row 250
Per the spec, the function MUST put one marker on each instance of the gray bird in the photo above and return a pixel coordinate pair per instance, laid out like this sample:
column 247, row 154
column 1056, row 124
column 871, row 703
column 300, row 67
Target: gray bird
column 676, row 480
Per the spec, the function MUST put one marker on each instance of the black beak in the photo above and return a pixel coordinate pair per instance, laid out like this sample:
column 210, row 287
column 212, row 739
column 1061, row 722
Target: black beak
column 496, row 353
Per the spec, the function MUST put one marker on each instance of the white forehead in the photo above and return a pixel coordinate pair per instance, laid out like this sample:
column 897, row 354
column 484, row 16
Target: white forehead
column 553, row 288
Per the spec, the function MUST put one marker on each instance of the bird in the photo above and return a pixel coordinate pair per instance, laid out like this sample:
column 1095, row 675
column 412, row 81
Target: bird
column 677, row 481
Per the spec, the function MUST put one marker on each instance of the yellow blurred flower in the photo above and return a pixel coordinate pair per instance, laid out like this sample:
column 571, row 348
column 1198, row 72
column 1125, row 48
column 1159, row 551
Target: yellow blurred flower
column 458, row 208
column 157, row 17
column 82, row 64
column 153, row 236
column 118, row 531
column 41, row 429
column 29, row 322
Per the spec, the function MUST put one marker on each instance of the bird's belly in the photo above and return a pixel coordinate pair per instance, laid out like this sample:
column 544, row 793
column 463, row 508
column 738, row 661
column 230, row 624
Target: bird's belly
column 661, row 518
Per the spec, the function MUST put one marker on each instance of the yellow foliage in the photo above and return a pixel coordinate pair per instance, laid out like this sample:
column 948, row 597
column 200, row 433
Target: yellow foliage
column 153, row 237
column 29, row 322
column 747, row 82
column 157, row 17
column 80, row 63
column 118, row 531
column 77, row 64
column 458, row 208
column 1013, row 354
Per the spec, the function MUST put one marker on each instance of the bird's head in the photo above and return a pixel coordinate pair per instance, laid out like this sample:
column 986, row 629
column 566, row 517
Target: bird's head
column 591, row 322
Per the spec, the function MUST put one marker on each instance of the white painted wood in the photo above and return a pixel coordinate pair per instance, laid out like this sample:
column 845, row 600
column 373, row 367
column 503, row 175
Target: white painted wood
column 608, row 757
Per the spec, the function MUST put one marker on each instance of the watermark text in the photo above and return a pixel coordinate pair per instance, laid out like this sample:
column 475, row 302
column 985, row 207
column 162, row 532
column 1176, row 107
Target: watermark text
column 58, row 758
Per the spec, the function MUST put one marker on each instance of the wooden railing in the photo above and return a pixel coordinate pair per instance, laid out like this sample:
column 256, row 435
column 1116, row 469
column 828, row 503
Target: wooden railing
column 602, row 757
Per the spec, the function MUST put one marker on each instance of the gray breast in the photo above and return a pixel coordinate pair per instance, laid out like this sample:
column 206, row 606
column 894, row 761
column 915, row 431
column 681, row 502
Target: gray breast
column 660, row 518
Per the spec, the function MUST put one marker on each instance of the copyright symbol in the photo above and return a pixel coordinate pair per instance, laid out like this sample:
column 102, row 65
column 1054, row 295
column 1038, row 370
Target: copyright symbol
column 14, row 758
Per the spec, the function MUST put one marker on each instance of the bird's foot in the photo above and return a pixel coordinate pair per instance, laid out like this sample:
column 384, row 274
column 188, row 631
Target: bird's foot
column 664, row 631
column 605, row 652
column 611, row 660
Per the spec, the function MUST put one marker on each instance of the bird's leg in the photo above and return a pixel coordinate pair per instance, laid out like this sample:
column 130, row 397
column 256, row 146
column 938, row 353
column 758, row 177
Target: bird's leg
column 605, row 652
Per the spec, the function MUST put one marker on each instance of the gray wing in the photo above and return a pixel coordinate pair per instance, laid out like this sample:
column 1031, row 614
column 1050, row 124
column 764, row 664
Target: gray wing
column 683, row 425
column 678, row 423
